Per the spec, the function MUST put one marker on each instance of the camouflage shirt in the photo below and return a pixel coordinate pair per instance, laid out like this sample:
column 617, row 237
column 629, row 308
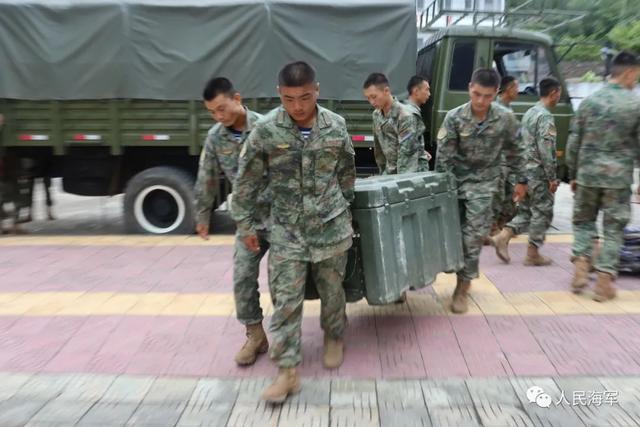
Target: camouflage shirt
column 605, row 138
column 311, row 182
column 501, row 103
column 397, row 141
column 420, row 158
column 220, row 150
column 471, row 150
column 539, row 138
column 503, row 160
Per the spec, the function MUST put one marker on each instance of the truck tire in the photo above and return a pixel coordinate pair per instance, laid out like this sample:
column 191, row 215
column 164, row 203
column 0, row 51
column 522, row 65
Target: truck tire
column 160, row 200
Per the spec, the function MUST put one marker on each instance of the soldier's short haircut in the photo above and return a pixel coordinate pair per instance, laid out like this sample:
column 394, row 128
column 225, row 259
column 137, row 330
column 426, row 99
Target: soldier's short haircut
column 378, row 79
column 218, row 86
column 505, row 82
column 548, row 85
column 414, row 82
column 623, row 61
column 296, row 74
column 486, row 77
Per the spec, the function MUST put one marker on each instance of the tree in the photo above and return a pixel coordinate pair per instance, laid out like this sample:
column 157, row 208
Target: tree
column 615, row 20
column 626, row 36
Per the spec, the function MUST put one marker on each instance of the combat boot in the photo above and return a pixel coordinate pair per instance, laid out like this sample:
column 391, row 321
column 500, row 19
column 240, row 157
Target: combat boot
column 534, row 258
column 333, row 352
column 495, row 229
column 604, row 288
column 459, row 303
column 287, row 382
column 256, row 344
column 402, row 299
column 581, row 274
column 501, row 243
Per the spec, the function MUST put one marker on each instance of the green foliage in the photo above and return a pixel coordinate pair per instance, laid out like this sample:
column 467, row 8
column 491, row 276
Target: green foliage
column 590, row 77
column 585, row 49
column 626, row 36
column 614, row 20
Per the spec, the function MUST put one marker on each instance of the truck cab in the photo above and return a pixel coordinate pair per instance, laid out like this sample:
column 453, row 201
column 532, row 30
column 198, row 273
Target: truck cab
column 450, row 55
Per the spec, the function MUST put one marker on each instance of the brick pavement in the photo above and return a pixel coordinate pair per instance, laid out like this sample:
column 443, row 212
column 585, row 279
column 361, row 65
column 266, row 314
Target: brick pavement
column 140, row 400
column 112, row 330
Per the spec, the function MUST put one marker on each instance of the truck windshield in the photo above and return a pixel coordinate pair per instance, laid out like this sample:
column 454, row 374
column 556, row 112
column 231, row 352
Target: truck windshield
column 528, row 63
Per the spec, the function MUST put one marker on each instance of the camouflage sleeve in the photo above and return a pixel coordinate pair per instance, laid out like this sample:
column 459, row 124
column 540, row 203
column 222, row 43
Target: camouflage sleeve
column 347, row 169
column 447, row 145
column 409, row 144
column 546, row 140
column 206, row 188
column 381, row 161
column 248, row 184
column 515, row 150
column 573, row 143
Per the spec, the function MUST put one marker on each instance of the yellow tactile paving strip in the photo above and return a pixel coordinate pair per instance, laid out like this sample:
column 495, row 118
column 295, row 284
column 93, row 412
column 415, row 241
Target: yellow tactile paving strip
column 131, row 240
column 486, row 300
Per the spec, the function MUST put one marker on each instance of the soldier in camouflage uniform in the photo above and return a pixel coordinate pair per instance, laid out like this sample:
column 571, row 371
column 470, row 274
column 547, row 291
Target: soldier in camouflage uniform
column 310, row 159
column 503, row 207
column 398, row 143
column 508, row 92
column 419, row 93
column 222, row 150
column 602, row 148
column 471, row 142
column 535, row 212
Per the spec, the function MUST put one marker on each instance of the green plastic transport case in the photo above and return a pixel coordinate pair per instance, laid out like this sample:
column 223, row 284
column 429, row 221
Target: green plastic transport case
column 407, row 231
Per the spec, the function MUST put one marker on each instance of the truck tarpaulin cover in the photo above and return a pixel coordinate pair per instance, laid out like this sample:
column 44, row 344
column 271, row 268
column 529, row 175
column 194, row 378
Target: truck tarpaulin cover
column 161, row 49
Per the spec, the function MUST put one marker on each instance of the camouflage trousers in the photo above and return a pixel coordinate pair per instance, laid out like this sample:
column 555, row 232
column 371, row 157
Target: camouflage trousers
column 475, row 223
column 616, row 209
column 503, row 207
column 535, row 213
column 246, row 267
column 287, row 280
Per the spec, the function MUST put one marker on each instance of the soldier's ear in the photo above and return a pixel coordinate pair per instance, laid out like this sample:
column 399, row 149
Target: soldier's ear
column 237, row 97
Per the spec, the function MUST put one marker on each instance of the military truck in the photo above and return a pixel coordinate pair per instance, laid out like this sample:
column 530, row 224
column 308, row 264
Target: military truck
column 451, row 54
column 106, row 95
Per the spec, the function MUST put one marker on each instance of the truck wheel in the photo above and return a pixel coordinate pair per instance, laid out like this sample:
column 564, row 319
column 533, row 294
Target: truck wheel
column 160, row 200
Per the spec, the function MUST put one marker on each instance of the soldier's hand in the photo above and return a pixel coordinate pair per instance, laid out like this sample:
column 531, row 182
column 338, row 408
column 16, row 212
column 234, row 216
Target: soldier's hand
column 252, row 243
column 203, row 231
column 519, row 192
column 574, row 185
column 553, row 186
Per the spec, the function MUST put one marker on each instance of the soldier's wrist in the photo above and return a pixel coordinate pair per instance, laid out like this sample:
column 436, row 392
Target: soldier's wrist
column 203, row 218
column 246, row 231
